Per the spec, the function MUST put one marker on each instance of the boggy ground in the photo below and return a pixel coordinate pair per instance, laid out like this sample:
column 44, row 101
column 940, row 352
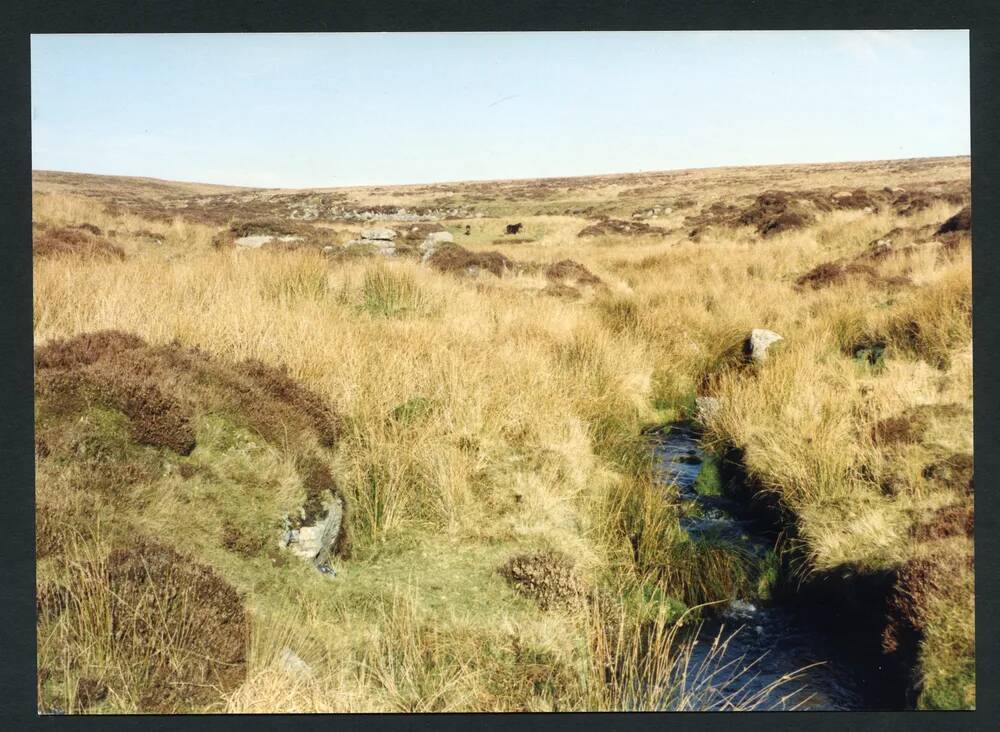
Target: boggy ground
column 482, row 417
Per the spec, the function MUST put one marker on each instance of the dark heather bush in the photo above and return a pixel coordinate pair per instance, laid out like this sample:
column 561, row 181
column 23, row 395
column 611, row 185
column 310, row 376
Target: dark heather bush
column 85, row 349
column 157, row 418
column 283, row 388
column 164, row 601
column 955, row 520
column 568, row 269
column 954, row 471
column 458, row 260
column 49, row 242
column 156, row 387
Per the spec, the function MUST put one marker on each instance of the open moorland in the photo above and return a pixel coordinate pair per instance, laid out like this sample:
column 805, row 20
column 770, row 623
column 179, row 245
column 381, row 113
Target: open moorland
column 390, row 448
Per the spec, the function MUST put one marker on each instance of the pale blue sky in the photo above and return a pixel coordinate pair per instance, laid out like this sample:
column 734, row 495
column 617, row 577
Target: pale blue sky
column 298, row 110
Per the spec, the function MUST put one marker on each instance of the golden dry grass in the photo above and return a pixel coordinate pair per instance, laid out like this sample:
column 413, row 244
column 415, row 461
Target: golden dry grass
column 486, row 417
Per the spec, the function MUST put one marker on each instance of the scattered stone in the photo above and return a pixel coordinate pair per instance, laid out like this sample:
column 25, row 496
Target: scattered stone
column 316, row 541
column 255, row 241
column 294, row 665
column 755, row 347
column 378, row 234
column 706, row 408
column 433, row 241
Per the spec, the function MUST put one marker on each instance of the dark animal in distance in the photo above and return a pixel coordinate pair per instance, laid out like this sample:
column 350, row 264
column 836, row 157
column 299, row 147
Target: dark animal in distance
column 468, row 229
column 514, row 228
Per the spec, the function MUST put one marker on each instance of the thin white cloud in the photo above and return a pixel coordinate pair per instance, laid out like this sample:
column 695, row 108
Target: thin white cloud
column 872, row 46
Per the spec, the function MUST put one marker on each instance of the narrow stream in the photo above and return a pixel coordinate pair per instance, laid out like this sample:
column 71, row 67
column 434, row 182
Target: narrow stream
column 777, row 639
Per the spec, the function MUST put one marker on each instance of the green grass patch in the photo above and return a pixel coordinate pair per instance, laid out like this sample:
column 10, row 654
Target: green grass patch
column 709, row 480
column 387, row 293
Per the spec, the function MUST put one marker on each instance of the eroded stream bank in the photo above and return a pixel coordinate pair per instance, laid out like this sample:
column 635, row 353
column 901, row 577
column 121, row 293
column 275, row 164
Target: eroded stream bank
column 830, row 624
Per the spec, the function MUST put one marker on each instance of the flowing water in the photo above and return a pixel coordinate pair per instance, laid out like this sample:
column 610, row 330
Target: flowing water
column 773, row 639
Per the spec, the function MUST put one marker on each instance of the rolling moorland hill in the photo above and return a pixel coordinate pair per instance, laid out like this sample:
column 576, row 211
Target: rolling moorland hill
column 389, row 448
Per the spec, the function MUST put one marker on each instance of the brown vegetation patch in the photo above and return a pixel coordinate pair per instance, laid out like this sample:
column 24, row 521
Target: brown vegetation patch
column 150, row 236
column 954, row 471
column 51, row 600
column 836, row 273
column 886, row 246
column 558, row 289
column 515, row 240
column 159, row 387
column 279, row 386
column 956, row 520
column 109, row 369
column 92, row 228
column 774, row 212
column 952, row 243
column 90, row 692
column 164, row 601
column 962, row 221
column 770, row 213
column 57, row 242
column 85, row 349
column 307, row 235
column 48, row 538
column 908, row 204
column 458, row 260
column 319, row 486
column 605, row 227
column 241, row 542
column 546, row 577
column 569, row 269
column 897, row 430
column 416, row 233
column 832, row 273
column 856, row 199
column 910, row 426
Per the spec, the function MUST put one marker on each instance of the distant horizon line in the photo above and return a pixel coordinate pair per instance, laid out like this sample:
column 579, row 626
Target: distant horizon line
column 499, row 180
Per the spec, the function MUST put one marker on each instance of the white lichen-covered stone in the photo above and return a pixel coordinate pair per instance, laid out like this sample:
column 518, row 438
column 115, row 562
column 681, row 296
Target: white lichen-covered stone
column 706, row 408
column 759, row 341
column 378, row 234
